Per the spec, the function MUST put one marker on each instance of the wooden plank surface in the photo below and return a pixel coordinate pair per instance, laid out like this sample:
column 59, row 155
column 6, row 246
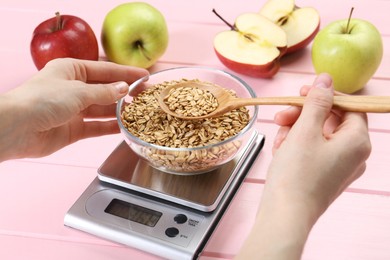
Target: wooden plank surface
column 357, row 225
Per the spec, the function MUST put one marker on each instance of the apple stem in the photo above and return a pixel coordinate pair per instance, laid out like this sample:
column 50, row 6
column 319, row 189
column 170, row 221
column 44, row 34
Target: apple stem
column 59, row 21
column 234, row 28
column 349, row 20
column 142, row 49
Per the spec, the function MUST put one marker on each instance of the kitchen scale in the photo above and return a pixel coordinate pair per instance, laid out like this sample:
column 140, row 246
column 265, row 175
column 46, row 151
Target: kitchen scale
column 171, row 216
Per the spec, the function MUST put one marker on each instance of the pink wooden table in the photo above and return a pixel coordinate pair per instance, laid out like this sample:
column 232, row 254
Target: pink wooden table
column 36, row 193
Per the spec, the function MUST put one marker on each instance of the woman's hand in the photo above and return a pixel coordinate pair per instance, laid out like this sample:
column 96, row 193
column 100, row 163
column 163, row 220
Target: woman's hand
column 318, row 152
column 329, row 147
column 61, row 104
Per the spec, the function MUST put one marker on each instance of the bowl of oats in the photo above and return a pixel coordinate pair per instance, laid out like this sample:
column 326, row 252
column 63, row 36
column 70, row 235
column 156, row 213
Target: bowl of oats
column 182, row 146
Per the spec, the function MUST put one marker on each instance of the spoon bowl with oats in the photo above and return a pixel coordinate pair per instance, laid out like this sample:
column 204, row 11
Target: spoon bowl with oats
column 199, row 100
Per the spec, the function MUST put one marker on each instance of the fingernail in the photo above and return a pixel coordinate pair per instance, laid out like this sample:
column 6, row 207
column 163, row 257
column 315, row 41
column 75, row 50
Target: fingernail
column 122, row 87
column 322, row 85
column 323, row 80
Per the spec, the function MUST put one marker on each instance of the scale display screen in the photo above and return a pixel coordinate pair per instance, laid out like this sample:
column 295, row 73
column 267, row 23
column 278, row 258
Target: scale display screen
column 133, row 212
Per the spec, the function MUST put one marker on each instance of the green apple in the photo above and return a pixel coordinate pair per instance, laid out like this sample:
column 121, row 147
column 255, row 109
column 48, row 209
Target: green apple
column 350, row 51
column 134, row 34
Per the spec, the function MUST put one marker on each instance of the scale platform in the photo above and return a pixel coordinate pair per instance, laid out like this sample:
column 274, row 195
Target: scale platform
column 171, row 216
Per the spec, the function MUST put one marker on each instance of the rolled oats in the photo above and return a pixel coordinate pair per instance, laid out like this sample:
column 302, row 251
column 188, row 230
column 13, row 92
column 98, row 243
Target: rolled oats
column 144, row 119
column 191, row 101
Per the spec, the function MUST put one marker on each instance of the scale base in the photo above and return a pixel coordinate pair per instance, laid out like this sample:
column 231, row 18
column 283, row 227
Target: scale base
column 154, row 225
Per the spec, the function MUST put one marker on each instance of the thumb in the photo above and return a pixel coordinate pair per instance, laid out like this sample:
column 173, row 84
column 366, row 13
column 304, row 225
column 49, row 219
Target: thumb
column 318, row 103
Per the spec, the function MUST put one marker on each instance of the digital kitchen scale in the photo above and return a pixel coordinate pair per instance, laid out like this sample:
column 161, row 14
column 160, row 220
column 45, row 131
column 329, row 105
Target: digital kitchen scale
column 171, row 216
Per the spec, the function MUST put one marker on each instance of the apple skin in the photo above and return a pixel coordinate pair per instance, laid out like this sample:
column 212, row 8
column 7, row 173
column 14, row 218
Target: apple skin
column 301, row 24
column 301, row 45
column 260, row 71
column 252, row 47
column 350, row 58
column 135, row 34
column 74, row 39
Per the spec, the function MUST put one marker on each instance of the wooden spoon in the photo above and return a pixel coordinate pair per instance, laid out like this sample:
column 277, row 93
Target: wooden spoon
column 227, row 102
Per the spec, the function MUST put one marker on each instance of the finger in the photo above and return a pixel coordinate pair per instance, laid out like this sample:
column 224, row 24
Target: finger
column 318, row 104
column 95, row 71
column 332, row 123
column 323, row 77
column 280, row 137
column 304, row 90
column 101, row 94
column 288, row 116
column 136, row 89
column 98, row 111
column 111, row 72
column 99, row 128
column 353, row 124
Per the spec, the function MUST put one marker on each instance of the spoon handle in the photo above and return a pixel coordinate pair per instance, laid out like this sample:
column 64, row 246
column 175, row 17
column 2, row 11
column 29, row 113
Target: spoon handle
column 373, row 104
column 368, row 104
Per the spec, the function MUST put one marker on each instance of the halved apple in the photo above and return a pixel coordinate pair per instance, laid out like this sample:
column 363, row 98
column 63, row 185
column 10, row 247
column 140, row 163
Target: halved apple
column 300, row 24
column 252, row 47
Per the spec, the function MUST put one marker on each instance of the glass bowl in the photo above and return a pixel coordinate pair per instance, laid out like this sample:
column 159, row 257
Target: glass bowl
column 189, row 160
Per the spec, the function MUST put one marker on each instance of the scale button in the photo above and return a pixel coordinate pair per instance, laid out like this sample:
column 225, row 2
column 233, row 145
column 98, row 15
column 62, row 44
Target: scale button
column 180, row 218
column 171, row 232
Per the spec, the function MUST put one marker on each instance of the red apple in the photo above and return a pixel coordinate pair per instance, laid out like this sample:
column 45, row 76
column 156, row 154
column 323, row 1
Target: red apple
column 253, row 46
column 300, row 24
column 63, row 36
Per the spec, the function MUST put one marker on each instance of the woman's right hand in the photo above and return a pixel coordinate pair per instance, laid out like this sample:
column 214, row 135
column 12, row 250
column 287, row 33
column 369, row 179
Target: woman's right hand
column 318, row 153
